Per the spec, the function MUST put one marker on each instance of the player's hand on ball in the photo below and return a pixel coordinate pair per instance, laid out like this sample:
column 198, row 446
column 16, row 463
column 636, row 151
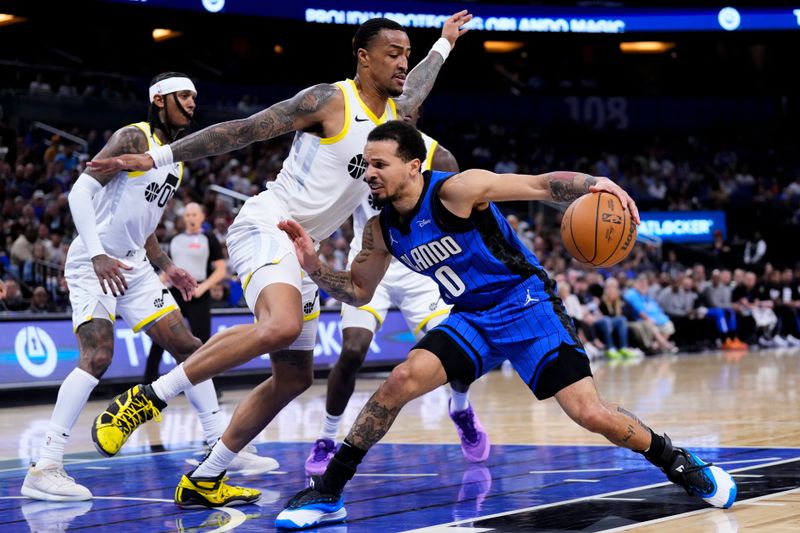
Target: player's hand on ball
column 303, row 245
column 605, row 184
column 453, row 28
column 183, row 281
column 112, row 165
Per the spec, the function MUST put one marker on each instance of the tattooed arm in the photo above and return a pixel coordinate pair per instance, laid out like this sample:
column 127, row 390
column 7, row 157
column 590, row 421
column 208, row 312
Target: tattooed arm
column 156, row 255
column 127, row 140
column 475, row 188
column 310, row 109
column 444, row 160
column 178, row 277
column 303, row 111
column 421, row 78
column 355, row 286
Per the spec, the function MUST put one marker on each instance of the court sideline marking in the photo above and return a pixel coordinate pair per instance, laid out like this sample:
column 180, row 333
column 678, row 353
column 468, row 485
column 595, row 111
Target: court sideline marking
column 431, row 529
column 699, row 511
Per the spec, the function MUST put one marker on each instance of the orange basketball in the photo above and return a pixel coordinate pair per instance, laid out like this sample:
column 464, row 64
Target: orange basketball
column 596, row 230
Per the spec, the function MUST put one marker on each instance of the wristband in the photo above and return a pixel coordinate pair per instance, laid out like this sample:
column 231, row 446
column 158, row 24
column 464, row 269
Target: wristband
column 443, row 47
column 161, row 156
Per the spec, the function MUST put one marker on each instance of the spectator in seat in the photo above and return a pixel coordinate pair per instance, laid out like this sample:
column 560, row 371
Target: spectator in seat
column 40, row 301
column 13, row 300
column 679, row 302
column 783, row 304
column 657, row 326
column 717, row 296
column 612, row 328
column 756, row 318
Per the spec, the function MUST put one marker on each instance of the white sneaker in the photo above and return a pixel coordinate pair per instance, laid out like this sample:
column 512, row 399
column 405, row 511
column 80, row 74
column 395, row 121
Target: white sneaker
column 248, row 462
column 780, row 342
column 766, row 343
column 53, row 484
column 792, row 340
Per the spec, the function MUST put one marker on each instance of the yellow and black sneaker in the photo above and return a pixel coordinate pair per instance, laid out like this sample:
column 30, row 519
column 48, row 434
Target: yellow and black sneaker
column 193, row 492
column 125, row 413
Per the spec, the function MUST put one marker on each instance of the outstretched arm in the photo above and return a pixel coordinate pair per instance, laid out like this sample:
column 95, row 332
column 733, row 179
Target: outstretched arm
column 300, row 112
column 355, row 286
column 474, row 188
column 304, row 110
column 421, row 78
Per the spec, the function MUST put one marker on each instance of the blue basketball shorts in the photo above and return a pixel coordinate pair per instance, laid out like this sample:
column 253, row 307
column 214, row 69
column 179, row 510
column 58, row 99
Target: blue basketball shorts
column 529, row 327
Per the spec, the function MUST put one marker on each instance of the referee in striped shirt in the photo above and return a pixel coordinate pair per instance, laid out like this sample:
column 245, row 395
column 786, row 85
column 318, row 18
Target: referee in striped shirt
column 200, row 254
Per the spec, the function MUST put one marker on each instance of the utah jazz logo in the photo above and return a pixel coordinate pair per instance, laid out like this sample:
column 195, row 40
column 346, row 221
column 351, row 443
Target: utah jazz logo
column 161, row 192
column 357, row 166
column 159, row 302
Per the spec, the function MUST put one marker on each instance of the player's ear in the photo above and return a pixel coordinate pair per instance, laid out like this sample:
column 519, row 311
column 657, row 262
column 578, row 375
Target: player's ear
column 415, row 166
column 362, row 56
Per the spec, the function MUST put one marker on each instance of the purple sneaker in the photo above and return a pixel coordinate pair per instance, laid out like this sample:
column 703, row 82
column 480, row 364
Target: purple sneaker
column 321, row 454
column 474, row 439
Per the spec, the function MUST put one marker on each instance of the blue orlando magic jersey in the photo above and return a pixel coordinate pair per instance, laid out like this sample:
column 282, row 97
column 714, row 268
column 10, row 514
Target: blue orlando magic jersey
column 475, row 261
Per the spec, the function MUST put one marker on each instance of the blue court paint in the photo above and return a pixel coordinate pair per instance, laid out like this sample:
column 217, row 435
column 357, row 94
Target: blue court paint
column 132, row 487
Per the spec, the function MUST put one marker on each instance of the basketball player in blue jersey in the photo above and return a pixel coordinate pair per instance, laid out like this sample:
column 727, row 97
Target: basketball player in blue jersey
column 320, row 185
column 108, row 269
column 447, row 227
column 417, row 297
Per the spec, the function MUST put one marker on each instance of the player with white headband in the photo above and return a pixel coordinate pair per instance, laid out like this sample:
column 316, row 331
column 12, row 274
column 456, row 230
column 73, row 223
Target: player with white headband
column 320, row 185
column 109, row 271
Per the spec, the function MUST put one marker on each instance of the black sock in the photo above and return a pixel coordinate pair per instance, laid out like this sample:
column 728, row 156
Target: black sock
column 342, row 467
column 660, row 451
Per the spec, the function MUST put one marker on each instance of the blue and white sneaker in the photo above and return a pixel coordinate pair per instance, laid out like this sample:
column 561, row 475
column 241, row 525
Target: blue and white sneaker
column 711, row 483
column 312, row 507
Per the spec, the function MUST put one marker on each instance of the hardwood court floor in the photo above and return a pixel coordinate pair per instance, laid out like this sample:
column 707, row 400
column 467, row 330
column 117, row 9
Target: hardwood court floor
column 544, row 473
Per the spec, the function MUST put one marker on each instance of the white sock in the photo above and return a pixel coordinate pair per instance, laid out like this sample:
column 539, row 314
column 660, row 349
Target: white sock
column 460, row 402
column 203, row 398
column 216, row 462
column 72, row 397
column 171, row 384
column 330, row 427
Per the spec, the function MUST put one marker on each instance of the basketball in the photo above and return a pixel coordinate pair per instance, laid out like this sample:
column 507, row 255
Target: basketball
column 597, row 231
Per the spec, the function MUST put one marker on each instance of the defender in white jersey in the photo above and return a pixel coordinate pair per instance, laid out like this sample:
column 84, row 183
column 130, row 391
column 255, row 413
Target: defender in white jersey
column 418, row 299
column 116, row 215
column 320, row 185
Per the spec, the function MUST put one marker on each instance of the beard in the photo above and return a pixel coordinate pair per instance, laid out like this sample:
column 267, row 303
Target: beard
column 378, row 203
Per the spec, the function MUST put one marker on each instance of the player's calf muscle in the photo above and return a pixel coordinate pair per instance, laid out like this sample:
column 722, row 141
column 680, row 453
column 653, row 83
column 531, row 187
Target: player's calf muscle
column 96, row 339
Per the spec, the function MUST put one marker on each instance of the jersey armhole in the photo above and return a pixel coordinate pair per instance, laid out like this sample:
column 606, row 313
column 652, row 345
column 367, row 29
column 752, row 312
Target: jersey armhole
column 428, row 164
column 444, row 218
column 346, row 126
column 144, row 127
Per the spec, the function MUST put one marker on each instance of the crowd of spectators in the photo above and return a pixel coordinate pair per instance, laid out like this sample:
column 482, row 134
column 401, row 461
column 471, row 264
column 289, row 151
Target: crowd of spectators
column 651, row 303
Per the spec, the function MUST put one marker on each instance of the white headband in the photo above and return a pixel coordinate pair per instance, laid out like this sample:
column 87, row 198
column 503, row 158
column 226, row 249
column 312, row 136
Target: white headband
column 171, row 85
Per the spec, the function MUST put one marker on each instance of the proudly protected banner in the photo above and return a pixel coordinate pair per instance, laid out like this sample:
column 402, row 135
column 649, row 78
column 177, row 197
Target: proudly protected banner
column 39, row 351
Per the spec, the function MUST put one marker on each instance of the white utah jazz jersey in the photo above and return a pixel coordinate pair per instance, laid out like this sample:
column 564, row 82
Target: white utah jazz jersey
column 130, row 206
column 322, row 180
column 366, row 210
